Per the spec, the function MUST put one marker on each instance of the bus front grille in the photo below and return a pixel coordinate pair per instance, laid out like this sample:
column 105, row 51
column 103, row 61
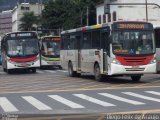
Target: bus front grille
column 134, row 69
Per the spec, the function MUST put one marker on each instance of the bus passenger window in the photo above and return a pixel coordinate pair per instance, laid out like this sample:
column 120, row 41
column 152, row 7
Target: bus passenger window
column 96, row 39
column 87, row 40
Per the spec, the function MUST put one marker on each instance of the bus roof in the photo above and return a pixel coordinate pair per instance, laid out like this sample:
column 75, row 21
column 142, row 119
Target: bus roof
column 97, row 26
column 20, row 32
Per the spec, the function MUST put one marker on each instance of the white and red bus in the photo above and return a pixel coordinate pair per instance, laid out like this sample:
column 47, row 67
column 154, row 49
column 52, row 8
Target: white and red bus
column 20, row 50
column 50, row 51
column 118, row 48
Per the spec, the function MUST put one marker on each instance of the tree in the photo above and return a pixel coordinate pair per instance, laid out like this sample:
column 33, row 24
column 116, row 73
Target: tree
column 27, row 21
column 68, row 14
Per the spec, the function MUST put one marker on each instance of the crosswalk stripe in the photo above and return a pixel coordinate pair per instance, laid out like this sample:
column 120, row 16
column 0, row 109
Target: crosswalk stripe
column 36, row 103
column 6, row 105
column 93, row 100
column 141, row 96
column 153, row 92
column 65, row 101
column 121, row 99
column 50, row 71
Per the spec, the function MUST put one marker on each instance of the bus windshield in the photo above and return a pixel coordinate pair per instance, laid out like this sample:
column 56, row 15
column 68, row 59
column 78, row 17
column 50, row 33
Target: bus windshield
column 133, row 42
column 50, row 48
column 23, row 47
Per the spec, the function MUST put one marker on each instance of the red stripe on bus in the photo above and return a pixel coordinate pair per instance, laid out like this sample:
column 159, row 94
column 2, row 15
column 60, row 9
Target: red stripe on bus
column 133, row 61
column 23, row 59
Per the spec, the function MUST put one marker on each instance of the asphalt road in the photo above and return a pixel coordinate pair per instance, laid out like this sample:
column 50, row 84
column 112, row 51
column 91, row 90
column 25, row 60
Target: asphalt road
column 52, row 94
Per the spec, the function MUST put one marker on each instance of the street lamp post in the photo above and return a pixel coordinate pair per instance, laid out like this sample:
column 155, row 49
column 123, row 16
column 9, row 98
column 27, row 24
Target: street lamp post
column 146, row 11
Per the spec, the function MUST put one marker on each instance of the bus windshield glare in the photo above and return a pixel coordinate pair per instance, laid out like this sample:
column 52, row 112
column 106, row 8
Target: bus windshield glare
column 50, row 48
column 133, row 42
column 22, row 47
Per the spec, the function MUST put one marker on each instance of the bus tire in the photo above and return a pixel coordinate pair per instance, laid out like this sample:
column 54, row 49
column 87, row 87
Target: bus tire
column 9, row 71
column 4, row 69
column 136, row 78
column 71, row 73
column 97, row 74
column 60, row 67
column 33, row 70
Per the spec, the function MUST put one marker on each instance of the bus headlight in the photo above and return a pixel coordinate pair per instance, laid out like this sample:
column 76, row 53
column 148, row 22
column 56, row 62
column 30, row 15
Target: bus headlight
column 153, row 61
column 115, row 61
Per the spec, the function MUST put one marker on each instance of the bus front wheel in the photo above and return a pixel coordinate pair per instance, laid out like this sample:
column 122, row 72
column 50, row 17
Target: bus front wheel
column 136, row 78
column 97, row 73
column 4, row 69
column 33, row 70
column 9, row 71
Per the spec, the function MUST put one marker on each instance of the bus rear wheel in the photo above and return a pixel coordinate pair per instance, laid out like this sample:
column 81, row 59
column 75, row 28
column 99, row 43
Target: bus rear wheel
column 136, row 78
column 71, row 73
column 97, row 74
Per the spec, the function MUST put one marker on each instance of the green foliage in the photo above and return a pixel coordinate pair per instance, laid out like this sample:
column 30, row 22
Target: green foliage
column 27, row 21
column 68, row 14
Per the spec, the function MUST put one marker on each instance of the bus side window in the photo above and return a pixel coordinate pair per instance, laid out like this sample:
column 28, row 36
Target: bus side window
column 157, row 38
column 96, row 39
column 65, row 42
column 62, row 43
column 73, row 42
column 86, row 44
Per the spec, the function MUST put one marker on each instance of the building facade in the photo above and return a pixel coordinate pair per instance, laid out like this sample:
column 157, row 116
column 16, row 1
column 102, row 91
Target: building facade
column 20, row 9
column 5, row 22
column 129, row 12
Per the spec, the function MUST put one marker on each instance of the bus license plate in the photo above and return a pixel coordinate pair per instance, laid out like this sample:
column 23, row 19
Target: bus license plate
column 135, row 67
column 22, row 65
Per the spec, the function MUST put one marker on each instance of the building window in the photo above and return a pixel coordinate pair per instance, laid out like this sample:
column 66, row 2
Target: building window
column 114, row 16
column 27, row 8
column 99, row 19
column 22, row 8
column 104, row 18
column 109, row 17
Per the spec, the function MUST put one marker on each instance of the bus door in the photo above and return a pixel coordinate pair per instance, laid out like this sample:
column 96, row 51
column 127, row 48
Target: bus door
column 105, row 44
column 78, row 38
column 157, row 38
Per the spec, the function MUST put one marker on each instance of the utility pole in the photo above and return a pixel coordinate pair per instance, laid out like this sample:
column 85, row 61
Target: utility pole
column 146, row 11
column 87, row 16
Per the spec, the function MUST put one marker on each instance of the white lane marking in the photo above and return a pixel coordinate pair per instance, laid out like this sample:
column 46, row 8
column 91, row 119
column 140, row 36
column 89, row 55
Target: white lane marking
column 50, row 71
column 38, row 71
column 36, row 103
column 65, row 101
column 153, row 92
column 141, row 96
column 6, row 105
column 121, row 99
column 93, row 100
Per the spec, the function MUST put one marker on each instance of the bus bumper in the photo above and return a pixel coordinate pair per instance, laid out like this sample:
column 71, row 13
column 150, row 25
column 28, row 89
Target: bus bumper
column 127, row 70
column 50, row 63
column 35, row 64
